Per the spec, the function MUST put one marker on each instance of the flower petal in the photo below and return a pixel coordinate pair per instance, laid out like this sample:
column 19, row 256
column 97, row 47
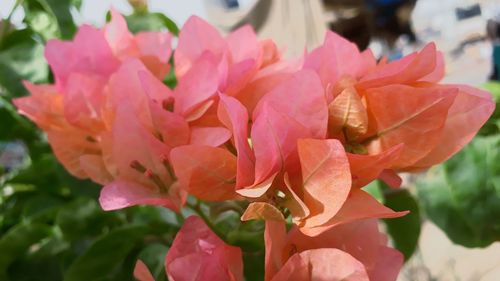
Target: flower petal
column 235, row 117
column 417, row 121
column 208, row 173
column 366, row 168
column 209, row 136
column 197, row 254
column 326, row 179
column 121, row 194
column 322, row 264
column 470, row 110
column 141, row 272
column 196, row 37
column 302, row 98
column 360, row 205
column 262, row 211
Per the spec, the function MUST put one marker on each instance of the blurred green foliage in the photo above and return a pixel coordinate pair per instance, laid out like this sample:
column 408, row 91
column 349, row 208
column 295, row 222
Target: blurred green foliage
column 462, row 196
column 51, row 226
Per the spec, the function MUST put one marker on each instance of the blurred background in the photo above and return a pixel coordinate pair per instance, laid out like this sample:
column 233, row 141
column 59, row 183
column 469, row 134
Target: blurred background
column 455, row 224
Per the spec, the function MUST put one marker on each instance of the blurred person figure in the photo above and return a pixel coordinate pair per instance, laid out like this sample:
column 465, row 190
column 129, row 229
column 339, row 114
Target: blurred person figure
column 391, row 19
column 493, row 32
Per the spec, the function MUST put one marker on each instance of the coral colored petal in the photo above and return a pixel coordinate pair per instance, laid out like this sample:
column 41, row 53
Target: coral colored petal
column 172, row 128
column 197, row 254
column 275, row 240
column 391, row 178
column 155, row 50
column 68, row 146
column 366, row 168
column 294, row 203
column 326, row 176
column 141, row 272
column 258, row 88
column 198, row 85
column 347, row 112
column 94, row 168
column 118, row 36
column 329, row 60
column 196, row 37
column 83, row 100
column 44, row 106
column 295, row 269
column 423, row 66
column 235, row 117
column 470, row 110
column 274, row 138
column 388, row 265
column 154, row 88
column 257, row 189
column 360, row 205
column 270, row 53
column 438, row 73
column 155, row 44
column 89, row 52
column 417, row 121
column 132, row 142
column 121, row 194
column 322, row 264
column 243, row 44
column 206, row 172
column 239, row 76
column 262, row 211
column 209, row 136
column 126, row 86
column 302, row 98
column 359, row 239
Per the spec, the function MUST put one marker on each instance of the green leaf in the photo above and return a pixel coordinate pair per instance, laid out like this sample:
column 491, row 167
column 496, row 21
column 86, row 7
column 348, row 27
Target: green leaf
column 17, row 242
column 57, row 12
column 375, row 190
column 24, row 60
column 40, row 174
column 14, row 126
column 106, row 254
column 10, row 82
column 404, row 231
column 61, row 9
column 41, row 208
column 84, row 218
column 151, row 22
column 254, row 265
column 492, row 126
column 153, row 256
column 43, row 23
column 162, row 221
column 462, row 197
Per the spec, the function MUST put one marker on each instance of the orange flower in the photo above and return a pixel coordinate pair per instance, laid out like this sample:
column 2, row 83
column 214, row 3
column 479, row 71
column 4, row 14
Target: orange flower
column 198, row 254
column 373, row 108
column 353, row 251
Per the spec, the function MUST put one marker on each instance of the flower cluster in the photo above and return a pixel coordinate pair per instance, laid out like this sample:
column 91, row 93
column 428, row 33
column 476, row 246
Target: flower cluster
column 296, row 139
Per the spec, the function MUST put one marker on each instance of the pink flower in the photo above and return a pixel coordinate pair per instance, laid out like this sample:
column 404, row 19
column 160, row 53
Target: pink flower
column 71, row 111
column 240, row 64
column 198, row 254
column 376, row 107
column 353, row 251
